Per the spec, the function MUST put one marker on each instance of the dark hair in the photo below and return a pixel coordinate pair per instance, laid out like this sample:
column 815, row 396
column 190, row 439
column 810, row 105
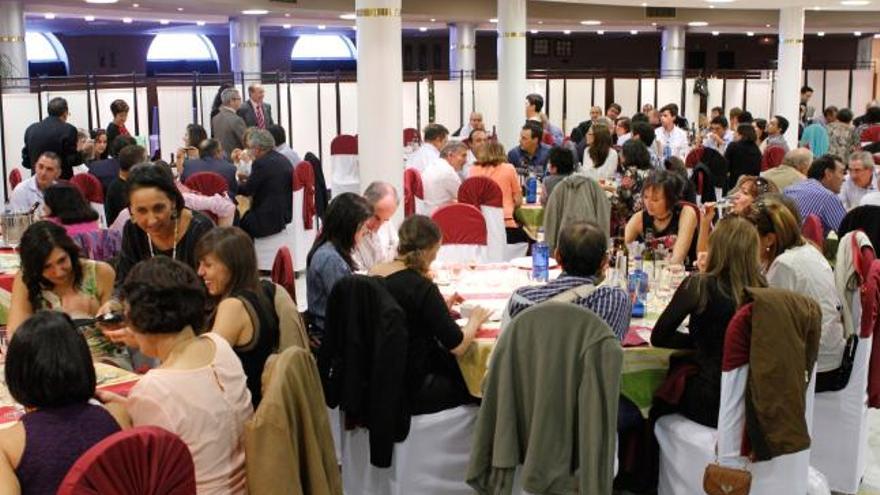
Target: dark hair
column 344, row 216
column 761, row 124
column 667, row 182
column 536, row 101
column 417, row 233
column 845, row 115
column 164, row 296
column 718, row 109
column 872, row 115
column 599, row 150
column 195, row 134
column 435, row 131
column 118, row 143
column 209, row 148
column 95, row 134
column 747, row 132
column 37, row 244
column 625, row 123
column 615, row 106
column 745, row 117
column 48, row 363
column 805, row 89
column 820, row 165
column 635, row 154
column 561, row 159
column 130, row 156
column 118, row 106
column 57, row 107
column 535, row 129
column 830, row 110
column 471, row 135
column 235, row 249
column 783, row 123
column 672, row 108
column 581, row 248
column 644, row 131
column 68, row 204
column 215, row 105
column 720, row 120
column 278, row 135
column 639, row 117
column 148, row 175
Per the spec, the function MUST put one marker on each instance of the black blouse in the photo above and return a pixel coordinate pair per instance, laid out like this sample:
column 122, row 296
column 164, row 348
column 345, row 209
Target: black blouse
column 743, row 158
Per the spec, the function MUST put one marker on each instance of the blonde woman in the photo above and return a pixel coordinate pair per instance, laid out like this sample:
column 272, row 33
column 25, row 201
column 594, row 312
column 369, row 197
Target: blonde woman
column 710, row 299
column 434, row 381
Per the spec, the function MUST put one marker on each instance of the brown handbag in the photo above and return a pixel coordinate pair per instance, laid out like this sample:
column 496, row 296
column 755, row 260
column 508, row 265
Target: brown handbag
column 721, row 480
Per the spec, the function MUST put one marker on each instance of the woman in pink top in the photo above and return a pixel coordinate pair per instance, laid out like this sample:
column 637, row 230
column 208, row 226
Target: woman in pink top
column 65, row 205
column 199, row 390
column 492, row 163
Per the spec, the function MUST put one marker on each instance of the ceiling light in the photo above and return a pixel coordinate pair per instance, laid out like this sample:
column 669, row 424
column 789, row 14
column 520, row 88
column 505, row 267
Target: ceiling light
column 135, row 5
column 286, row 26
column 200, row 23
column 348, row 17
column 820, row 34
column 715, row 33
column 423, row 29
column 101, row 1
column 89, row 18
column 127, row 20
column 534, row 31
column 719, row 1
column 877, row 36
column 644, row 4
column 255, row 12
column 633, row 32
column 854, row 3
column 493, row 20
column 600, row 32
column 591, row 23
column 355, row 28
column 566, row 32
column 49, row 15
column 817, row 8
column 750, row 33
column 711, row 6
column 540, row 22
column 287, row 14
column 433, row 20
column 164, row 22
column 180, row 9
column 322, row 27
column 857, row 33
column 698, row 24
column 654, row 24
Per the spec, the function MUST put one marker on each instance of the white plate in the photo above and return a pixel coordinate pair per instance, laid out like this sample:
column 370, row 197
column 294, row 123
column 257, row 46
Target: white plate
column 526, row 263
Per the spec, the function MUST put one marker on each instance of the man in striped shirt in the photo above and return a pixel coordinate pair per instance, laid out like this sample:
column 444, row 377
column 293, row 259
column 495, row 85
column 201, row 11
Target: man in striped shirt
column 818, row 194
column 581, row 251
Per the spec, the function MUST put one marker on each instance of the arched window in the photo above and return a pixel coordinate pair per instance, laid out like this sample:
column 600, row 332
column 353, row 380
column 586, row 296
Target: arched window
column 181, row 52
column 45, row 54
column 323, row 47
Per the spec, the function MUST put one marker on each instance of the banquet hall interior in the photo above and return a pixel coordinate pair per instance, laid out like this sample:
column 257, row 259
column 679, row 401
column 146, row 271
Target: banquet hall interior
column 406, row 247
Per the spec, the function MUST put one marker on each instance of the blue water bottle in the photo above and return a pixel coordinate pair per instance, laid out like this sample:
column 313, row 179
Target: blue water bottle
column 667, row 151
column 540, row 259
column 531, row 189
column 637, row 284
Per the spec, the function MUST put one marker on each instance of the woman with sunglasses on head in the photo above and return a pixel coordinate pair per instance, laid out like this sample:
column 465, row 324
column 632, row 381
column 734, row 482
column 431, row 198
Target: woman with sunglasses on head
column 739, row 201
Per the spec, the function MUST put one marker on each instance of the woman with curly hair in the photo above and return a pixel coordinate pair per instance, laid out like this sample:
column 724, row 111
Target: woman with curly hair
column 54, row 276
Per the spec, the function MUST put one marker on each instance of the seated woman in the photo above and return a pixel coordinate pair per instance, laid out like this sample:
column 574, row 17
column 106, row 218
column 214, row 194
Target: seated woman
column 244, row 307
column 598, row 157
column 53, row 276
column 50, row 372
column 434, row 382
column 795, row 264
column 664, row 217
column 65, row 205
column 747, row 190
column 199, row 391
column 331, row 256
column 626, row 198
column 492, row 163
column 710, row 299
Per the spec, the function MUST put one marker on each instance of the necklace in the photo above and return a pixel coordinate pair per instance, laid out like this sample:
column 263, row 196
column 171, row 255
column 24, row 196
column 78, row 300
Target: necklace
column 174, row 241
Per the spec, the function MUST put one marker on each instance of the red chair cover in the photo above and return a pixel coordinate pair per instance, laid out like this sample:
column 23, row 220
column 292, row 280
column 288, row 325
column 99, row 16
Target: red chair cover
column 207, row 183
column 772, row 157
column 304, row 178
column 461, row 224
column 14, row 177
column 89, row 186
column 812, row 230
column 344, row 144
column 694, row 157
column 479, row 191
column 412, row 189
column 871, row 134
column 410, row 135
column 547, row 139
column 282, row 271
column 146, row 460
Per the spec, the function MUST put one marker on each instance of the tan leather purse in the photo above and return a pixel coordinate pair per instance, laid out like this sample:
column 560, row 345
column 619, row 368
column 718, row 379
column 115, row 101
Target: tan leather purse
column 721, row 480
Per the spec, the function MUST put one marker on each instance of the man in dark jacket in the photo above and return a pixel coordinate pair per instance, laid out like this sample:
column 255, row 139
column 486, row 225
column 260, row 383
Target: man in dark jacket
column 52, row 134
column 270, row 186
column 211, row 160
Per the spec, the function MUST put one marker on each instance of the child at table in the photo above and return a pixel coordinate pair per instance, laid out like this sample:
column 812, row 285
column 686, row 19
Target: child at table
column 49, row 371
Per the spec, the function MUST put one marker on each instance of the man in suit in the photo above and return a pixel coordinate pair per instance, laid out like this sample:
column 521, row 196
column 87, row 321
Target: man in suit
column 211, row 160
column 108, row 169
column 270, row 186
column 227, row 126
column 52, row 134
column 254, row 112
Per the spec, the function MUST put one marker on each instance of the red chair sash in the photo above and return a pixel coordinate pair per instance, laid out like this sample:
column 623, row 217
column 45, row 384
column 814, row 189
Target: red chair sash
column 89, row 186
column 812, row 230
column 694, row 157
column 410, row 135
column 207, row 183
column 479, row 191
column 344, row 144
column 282, row 271
column 772, row 157
column 14, row 177
column 304, row 178
column 412, row 189
column 461, row 224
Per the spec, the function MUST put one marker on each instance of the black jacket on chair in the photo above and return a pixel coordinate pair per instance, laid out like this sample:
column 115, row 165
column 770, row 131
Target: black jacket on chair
column 51, row 134
column 321, row 196
column 362, row 361
column 270, row 187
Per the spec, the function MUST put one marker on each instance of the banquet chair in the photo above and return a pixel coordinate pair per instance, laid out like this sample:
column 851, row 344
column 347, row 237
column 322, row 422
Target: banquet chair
column 812, row 230
column 14, row 178
column 464, row 233
column 413, row 192
column 93, row 191
column 686, row 447
column 282, row 271
column 304, row 222
column 772, row 157
column 411, row 135
column 141, row 460
column 207, row 183
column 485, row 194
column 267, row 247
column 345, row 174
column 694, row 157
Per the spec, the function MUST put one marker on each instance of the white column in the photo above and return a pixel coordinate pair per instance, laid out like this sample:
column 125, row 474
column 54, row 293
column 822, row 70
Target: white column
column 380, row 94
column 244, row 53
column 12, row 50
column 789, row 69
column 462, row 49
column 512, row 89
column 672, row 52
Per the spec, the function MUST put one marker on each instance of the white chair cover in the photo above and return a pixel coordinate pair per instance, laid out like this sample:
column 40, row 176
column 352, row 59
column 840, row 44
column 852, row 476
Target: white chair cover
column 840, row 430
column 497, row 248
column 266, row 247
column 433, row 458
column 303, row 239
column 687, row 447
column 346, row 174
column 102, row 218
column 336, row 428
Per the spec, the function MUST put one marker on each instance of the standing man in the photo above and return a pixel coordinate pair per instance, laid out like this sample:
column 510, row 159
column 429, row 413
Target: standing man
column 808, row 111
column 255, row 112
column 227, row 126
column 475, row 122
column 28, row 193
column 52, row 134
column 613, row 111
column 580, row 132
column 379, row 243
column 673, row 139
column 534, row 107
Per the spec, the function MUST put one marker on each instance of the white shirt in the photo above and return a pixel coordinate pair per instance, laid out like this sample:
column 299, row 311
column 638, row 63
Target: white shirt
column 25, row 195
column 870, row 199
column 425, row 156
column 465, row 171
column 440, row 183
column 376, row 247
column 851, row 194
column 606, row 171
column 677, row 140
column 623, row 138
column 708, row 142
column 804, row 270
